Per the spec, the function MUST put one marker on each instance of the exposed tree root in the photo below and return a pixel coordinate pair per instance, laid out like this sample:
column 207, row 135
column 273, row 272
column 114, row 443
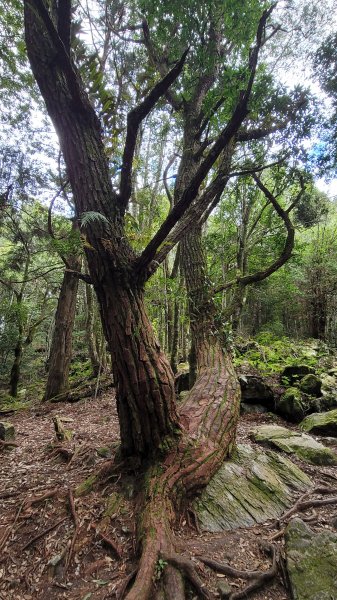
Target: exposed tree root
column 303, row 504
column 258, row 578
column 35, row 499
column 110, row 543
column 128, row 580
column 188, row 568
column 208, row 415
column 77, row 526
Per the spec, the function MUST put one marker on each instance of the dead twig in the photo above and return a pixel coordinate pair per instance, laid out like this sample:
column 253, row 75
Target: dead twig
column 44, row 532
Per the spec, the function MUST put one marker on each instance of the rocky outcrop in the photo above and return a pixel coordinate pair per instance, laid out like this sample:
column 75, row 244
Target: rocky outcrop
column 321, row 423
column 251, row 487
column 311, row 560
column 302, row 445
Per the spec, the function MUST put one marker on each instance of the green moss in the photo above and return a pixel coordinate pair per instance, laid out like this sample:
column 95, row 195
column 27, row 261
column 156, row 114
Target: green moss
column 321, row 423
column 86, row 487
column 113, row 505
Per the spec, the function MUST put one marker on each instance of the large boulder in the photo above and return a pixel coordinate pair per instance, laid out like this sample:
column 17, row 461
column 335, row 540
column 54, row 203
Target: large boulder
column 311, row 384
column 293, row 373
column 311, row 560
column 302, row 445
column 321, row 423
column 251, row 487
column 7, row 431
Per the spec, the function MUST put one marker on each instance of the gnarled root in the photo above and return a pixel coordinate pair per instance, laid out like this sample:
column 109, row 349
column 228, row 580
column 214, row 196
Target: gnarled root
column 208, row 418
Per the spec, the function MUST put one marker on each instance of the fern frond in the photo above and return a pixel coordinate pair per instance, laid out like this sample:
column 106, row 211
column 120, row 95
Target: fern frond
column 91, row 216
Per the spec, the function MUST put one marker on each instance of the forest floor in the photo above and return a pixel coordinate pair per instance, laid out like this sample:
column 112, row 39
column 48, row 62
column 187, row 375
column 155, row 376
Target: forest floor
column 55, row 545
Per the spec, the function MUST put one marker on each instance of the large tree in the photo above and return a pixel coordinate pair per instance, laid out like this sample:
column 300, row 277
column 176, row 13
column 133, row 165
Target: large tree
column 180, row 449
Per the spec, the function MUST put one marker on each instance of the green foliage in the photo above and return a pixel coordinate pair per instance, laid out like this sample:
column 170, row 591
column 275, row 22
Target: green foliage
column 270, row 354
column 90, row 216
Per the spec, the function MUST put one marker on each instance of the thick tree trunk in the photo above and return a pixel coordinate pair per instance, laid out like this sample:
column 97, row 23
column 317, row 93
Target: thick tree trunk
column 61, row 344
column 142, row 374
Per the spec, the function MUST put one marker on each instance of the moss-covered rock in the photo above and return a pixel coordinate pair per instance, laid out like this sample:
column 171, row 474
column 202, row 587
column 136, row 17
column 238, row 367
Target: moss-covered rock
column 291, row 442
column 7, row 431
column 311, row 384
column 321, row 423
column 250, row 488
column 311, row 562
column 293, row 373
column 291, row 405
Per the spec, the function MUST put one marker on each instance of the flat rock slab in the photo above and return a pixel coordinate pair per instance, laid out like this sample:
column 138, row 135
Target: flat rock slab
column 302, row 445
column 311, row 560
column 250, row 488
column 7, row 431
column 321, row 423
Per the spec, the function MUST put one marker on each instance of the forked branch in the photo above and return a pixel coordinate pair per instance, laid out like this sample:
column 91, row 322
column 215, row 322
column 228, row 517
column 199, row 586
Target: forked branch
column 134, row 119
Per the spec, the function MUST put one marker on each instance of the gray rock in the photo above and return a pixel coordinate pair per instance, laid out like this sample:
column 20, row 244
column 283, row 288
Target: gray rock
column 252, row 487
column 302, row 445
column 311, row 560
column 7, row 431
column 321, row 423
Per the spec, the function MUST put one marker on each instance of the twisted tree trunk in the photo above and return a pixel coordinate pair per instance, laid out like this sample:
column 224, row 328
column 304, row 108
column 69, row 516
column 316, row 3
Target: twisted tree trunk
column 181, row 450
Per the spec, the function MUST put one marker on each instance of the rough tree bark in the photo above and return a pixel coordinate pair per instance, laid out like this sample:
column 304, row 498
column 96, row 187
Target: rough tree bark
column 203, row 432
column 61, row 344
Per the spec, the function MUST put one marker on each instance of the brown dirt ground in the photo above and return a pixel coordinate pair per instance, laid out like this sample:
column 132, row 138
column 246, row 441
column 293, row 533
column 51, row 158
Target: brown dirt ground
column 95, row 572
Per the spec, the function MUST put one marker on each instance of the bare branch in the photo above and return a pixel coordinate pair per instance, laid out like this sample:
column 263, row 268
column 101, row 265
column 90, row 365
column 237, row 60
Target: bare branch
column 135, row 117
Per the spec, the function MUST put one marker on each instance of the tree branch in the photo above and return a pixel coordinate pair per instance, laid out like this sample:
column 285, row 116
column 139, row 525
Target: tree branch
column 288, row 245
column 62, row 57
column 225, row 137
column 134, row 119
column 64, row 22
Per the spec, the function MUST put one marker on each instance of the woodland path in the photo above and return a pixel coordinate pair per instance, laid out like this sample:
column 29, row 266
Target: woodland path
column 71, row 559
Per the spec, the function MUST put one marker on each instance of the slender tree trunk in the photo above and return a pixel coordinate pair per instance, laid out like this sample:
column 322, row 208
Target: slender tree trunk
column 16, row 367
column 89, row 331
column 61, row 345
